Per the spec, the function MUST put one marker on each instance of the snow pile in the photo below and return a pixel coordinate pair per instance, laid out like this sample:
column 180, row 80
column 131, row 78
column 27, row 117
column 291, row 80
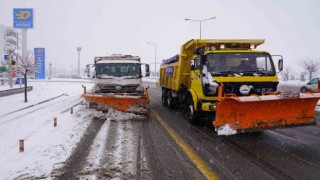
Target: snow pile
column 115, row 115
column 207, row 79
column 226, row 130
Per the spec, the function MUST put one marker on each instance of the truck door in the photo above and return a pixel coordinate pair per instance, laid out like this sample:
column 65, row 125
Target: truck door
column 195, row 77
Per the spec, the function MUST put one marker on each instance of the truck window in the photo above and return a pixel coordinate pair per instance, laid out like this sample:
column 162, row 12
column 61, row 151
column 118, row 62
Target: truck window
column 118, row 69
column 314, row 81
column 218, row 63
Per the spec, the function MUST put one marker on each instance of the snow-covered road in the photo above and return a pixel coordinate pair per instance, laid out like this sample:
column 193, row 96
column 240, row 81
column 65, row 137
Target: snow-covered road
column 56, row 151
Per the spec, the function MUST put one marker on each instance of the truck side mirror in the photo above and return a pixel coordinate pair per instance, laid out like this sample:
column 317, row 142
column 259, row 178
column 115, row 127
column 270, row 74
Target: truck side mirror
column 280, row 64
column 147, row 70
column 88, row 69
column 192, row 65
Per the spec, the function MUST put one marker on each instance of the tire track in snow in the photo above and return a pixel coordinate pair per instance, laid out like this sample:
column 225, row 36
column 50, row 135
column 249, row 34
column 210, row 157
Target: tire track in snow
column 79, row 154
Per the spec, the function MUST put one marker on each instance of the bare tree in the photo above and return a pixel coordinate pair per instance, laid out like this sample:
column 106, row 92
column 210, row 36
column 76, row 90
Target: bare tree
column 311, row 65
column 26, row 67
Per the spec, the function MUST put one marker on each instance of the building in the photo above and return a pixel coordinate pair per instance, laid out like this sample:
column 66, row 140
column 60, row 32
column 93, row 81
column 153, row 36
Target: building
column 10, row 40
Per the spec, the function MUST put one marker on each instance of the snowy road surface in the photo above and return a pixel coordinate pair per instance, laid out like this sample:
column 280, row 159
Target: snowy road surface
column 94, row 145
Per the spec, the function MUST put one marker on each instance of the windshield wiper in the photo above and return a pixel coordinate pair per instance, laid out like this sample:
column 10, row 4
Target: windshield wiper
column 255, row 71
column 130, row 77
column 234, row 73
column 228, row 72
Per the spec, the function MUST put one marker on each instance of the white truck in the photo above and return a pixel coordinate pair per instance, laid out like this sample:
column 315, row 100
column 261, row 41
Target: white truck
column 118, row 83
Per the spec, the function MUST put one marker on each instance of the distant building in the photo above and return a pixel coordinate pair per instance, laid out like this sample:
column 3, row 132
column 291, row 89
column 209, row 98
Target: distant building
column 10, row 39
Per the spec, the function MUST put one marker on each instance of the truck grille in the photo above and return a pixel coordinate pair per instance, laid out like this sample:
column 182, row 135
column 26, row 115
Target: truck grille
column 124, row 88
column 255, row 88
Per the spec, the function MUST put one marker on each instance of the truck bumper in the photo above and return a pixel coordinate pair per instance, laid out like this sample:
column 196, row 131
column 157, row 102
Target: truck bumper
column 207, row 106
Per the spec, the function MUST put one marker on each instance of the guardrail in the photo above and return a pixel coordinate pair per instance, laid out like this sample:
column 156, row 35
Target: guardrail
column 14, row 91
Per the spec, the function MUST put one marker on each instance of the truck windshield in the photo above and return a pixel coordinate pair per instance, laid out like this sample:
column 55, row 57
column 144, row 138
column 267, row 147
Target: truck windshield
column 126, row 70
column 245, row 63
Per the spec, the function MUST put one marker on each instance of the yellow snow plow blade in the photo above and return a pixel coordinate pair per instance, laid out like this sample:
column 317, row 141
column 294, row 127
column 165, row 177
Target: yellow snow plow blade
column 253, row 113
column 126, row 102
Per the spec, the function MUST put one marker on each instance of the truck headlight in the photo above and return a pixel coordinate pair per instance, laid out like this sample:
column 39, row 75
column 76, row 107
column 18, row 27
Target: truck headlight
column 139, row 89
column 118, row 88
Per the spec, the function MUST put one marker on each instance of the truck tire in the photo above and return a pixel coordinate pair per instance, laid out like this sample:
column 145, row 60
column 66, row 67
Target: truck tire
column 191, row 112
column 170, row 102
column 164, row 98
column 303, row 89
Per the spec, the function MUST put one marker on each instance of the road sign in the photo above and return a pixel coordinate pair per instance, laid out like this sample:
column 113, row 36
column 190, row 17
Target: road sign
column 23, row 18
column 3, row 68
column 6, row 57
column 39, row 54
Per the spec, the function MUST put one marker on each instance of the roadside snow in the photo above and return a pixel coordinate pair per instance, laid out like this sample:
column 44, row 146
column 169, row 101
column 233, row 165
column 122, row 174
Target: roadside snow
column 46, row 147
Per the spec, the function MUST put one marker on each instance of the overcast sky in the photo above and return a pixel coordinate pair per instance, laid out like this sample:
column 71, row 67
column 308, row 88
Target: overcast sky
column 104, row 27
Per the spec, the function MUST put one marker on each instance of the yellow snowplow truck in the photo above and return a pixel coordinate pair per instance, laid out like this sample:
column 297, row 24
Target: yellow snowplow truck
column 233, row 84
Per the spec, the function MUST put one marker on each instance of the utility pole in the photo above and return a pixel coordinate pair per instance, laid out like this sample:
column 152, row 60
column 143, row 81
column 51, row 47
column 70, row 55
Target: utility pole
column 79, row 49
column 50, row 70
column 10, row 69
column 155, row 58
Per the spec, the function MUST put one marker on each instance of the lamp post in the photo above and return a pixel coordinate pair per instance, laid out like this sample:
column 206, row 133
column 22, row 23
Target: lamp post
column 155, row 58
column 50, row 70
column 79, row 49
column 200, row 21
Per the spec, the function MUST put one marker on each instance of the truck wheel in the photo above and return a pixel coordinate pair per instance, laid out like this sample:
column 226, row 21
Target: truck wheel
column 164, row 98
column 170, row 100
column 192, row 114
column 303, row 89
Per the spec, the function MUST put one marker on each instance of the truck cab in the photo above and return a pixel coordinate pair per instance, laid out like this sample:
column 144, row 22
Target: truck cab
column 119, row 74
column 118, row 84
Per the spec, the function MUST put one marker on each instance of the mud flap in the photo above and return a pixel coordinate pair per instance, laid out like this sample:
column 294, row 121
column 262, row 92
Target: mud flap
column 253, row 113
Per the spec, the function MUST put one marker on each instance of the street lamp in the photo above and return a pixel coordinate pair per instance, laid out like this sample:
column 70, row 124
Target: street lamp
column 50, row 69
column 79, row 49
column 200, row 21
column 155, row 58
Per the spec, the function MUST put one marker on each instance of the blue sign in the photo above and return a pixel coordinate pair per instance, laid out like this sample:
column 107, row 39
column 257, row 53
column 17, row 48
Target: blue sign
column 169, row 71
column 39, row 54
column 23, row 18
column 6, row 57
